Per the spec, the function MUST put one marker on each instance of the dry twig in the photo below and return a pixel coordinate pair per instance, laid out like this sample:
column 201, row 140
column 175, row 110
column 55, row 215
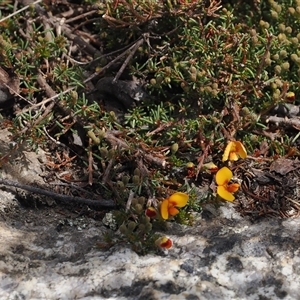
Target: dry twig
column 292, row 122
column 63, row 198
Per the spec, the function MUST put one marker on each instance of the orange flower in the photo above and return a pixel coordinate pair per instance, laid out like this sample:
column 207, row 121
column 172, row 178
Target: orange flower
column 210, row 167
column 225, row 189
column 234, row 150
column 151, row 212
column 164, row 242
column 290, row 97
column 168, row 206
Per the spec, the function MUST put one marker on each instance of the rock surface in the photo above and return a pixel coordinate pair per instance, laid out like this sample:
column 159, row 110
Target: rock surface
column 51, row 253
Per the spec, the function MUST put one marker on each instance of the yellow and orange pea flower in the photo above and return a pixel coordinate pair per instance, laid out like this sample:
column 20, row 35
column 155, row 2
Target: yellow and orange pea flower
column 168, row 207
column 210, row 167
column 225, row 188
column 151, row 212
column 290, row 97
column 164, row 242
column 234, row 150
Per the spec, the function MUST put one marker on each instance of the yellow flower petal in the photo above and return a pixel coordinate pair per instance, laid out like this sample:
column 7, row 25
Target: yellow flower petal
column 234, row 150
column 173, row 211
column 227, row 151
column 223, row 193
column 223, row 176
column 164, row 209
column 233, row 156
column 240, row 149
column 179, row 199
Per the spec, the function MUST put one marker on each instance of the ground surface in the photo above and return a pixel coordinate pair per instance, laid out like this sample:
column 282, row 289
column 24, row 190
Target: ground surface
column 56, row 247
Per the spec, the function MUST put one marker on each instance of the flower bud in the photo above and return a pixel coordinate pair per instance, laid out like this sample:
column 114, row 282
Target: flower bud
column 152, row 81
column 131, row 226
column 125, row 180
column 291, row 10
column 103, row 152
column 281, row 27
column 288, row 30
column 277, row 69
column 295, row 41
column 138, row 208
column 277, row 7
column 190, row 165
column 282, row 38
column 174, row 148
column 268, row 61
column 245, row 111
column 274, row 14
column 142, row 200
column 164, row 242
column 120, row 185
column 254, row 138
column 111, row 153
column 168, row 70
column 279, row 83
column 74, row 95
column 208, row 89
column 193, row 69
column 92, row 135
column 123, row 229
column 112, row 115
column 290, row 96
column 100, row 134
column 148, row 227
column 141, row 227
column 167, row 80
column 144, row 219
column 254, row 40
column 285, row 66
column 134, row 201
column 136, row 179
column 159, row 79
column 193, row 77
column 137, row 172
column 283, row 53
column 210, row 167
column 151, row 212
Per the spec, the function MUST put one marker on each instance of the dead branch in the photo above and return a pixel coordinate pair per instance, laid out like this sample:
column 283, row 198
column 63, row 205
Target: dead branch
column 129, row 201
column 107, row 171
column 63, row 198
column 132, row 49
column 293, row 122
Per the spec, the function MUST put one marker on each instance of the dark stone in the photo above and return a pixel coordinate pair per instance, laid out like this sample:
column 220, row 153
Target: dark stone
column 234, row 264
column 192, row 297
column 171, row 288
column 188, row 267
column 220, row 245
column 135, row 289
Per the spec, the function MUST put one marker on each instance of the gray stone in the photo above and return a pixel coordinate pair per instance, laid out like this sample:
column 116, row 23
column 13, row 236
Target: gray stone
column 223, row 257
